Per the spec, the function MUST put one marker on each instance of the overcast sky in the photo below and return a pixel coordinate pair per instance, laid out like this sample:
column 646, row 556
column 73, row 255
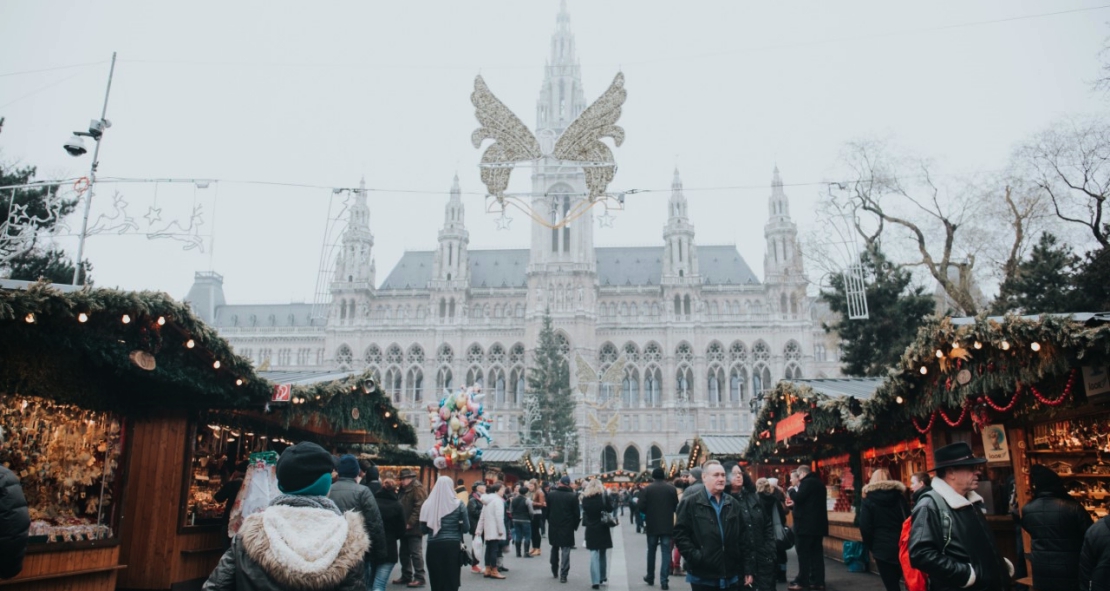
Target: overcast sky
column 324, row 93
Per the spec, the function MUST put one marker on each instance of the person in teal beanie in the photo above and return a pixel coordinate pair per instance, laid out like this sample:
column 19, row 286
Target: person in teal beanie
column 301, row 540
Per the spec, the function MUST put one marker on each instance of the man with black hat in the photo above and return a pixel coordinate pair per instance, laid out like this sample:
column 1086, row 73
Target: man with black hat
column 564, row 517
column 302, row 540
column 658, row 503
column 950, row 540
column 412, row 545
column 349, row 495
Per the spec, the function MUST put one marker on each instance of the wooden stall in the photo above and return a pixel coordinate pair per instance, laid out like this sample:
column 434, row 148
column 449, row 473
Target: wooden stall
column 94, row 388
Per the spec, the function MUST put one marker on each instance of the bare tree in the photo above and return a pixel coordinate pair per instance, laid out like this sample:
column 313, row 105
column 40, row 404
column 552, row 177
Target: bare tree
column 938, row 225
column 1069, row 162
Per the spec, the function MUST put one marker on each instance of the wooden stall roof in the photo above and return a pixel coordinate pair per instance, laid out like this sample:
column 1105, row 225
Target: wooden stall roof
column 501, row 456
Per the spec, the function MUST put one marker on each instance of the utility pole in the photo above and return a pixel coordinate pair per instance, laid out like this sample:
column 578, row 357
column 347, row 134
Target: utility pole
column 92, row 178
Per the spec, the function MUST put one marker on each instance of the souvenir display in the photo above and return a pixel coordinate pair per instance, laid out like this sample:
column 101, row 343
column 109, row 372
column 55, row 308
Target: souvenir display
column 216, row 449
column 259, row 488
column 1079, row 451
column 67, row 459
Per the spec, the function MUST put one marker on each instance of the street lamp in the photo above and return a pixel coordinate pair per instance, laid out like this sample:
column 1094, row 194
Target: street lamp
column 75, row 146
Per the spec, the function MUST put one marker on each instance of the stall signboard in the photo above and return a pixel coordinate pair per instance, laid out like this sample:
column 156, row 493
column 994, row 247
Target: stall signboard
column 282, row 393
column 995, row 445
column 790, row 426
column 1096, row 380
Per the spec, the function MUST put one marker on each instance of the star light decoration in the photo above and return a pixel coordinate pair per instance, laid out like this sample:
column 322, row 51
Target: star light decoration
column 504, row 221
column 580, row 145
column 606, row 221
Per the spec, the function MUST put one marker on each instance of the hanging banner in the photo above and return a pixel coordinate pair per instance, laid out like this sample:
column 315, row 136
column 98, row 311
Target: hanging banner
column 282, row 393
column 790, row 426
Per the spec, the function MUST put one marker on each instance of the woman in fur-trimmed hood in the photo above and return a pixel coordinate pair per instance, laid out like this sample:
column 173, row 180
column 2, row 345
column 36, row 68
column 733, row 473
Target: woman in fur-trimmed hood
column 302, row 541
column 882, row 511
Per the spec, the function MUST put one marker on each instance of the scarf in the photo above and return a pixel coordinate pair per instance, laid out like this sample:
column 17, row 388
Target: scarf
column 440, row 503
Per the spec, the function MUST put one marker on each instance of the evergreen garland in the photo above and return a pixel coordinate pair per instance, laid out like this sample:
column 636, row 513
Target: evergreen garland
column 331, row 405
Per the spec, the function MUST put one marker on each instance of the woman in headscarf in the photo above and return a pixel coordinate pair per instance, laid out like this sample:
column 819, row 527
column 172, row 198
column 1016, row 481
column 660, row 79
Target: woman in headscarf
column 598, row 539
column 881, row 513
column 756, row 524
column 444, row 519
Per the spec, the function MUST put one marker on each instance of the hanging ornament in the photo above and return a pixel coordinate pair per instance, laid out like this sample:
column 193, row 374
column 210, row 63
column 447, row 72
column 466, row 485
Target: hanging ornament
column 963, row 377
column 926, row 428
column 950, row 422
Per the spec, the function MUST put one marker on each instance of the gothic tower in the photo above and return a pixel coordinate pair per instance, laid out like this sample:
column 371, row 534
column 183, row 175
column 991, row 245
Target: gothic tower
column 451, row 269
column 680, row 254
column 563, row 266
column 782, row 261
column 353, row 283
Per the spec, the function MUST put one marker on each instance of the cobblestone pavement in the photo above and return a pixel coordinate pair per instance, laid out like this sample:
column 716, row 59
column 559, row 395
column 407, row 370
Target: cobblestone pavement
column 627, row 566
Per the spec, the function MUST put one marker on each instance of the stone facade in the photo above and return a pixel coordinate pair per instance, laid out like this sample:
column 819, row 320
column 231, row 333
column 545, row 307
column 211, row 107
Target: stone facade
column 703, row 337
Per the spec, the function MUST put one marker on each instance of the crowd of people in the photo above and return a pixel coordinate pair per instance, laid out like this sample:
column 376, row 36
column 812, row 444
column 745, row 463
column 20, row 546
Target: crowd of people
column 342, row 524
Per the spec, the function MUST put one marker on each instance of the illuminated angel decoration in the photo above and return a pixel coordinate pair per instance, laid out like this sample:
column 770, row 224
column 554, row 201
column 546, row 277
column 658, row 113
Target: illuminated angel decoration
column 513, row 143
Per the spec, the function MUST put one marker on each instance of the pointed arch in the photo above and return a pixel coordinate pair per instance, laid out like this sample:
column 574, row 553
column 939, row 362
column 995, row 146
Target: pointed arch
column 444, row 380
column 414, row 382
column 737, row 384
column 631, row 459
column 415, row 354
column 715, row 382
column 608, row 459
column 373, row 355
column 653, row 387
column 630, row 387
column 343, row 357
column 498, row 384
column 655, row 457
column 393, row 383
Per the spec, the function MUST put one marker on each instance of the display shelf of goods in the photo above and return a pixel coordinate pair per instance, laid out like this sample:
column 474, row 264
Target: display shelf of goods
column 1075, row 450
column 67, row 460
column 218, row 450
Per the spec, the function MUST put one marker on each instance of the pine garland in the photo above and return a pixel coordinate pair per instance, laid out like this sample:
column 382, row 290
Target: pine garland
column 333, row 405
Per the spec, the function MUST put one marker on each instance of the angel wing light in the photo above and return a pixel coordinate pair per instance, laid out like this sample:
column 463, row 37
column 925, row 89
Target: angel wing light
column 579, row 144
column 584, row 372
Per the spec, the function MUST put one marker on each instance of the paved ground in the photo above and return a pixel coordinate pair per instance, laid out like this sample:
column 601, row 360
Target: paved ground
column 627, row 566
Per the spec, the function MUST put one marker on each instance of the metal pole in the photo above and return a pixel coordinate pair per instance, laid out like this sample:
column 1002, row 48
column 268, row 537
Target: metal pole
column 92, row 179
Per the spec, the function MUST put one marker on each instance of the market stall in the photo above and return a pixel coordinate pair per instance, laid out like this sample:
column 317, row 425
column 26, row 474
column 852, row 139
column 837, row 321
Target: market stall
column 718, row 447
column 87, row 380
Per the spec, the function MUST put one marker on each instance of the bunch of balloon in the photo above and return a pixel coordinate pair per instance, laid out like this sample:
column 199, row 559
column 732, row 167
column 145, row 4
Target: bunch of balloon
column 457, row 424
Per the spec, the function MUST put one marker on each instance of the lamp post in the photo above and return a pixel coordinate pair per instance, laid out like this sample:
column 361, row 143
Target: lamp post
column 76, row 147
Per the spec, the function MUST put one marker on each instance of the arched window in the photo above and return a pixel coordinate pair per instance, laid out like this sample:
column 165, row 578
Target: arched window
column 444, row 380
column 415, row 381
column 451, row 308
column 343, row 357
column 653, row 353
column 686, row 305
column 516, row 386
column 442, row 308
column 343, row 310
column 737, row 381
column 713, row 384
column 607, row 354
column 630, row 388
column 497, row 381
column 631, row 352
column 792, row 351
column 793, row 372
column 677, row 305
column 474, row 377
column 761, row 379
column 563, row 344
column 782, row 303
column 608, row 459
column 393, row 354
column 683, row 353
column 653, row 396
column 393, row 383
column 496, row 353
column 631, row 459
column 684, row 384
column 715, row 352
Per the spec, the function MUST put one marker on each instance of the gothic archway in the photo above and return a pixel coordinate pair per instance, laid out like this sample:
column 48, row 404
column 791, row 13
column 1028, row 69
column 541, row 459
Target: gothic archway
column 631, row 459
column 608, row 459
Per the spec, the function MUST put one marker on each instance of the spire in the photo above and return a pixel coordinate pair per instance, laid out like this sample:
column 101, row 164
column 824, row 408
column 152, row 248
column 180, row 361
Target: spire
column 450, row 263
column 455, row 191
column 561, row 96
column 778, row 204
column 680, row 253
column 678, row 198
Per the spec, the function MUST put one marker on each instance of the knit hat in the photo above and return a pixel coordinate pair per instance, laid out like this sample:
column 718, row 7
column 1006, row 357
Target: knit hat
column 658, row 474
column 565, row 480
column 372, row 473
column 303, row 467
column 348, row 466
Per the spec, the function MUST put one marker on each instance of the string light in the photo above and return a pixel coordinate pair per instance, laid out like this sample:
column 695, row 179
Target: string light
column 1005, row 345
column 924, row 370
column 126, row 319
column 239, row 382
column 978, row 345
column 940, row 354
column 161, row 321
column 189, row 344
column 899, row 400
column 30, row 318
column 1035, row 346
column 82, row 317
column 216, row 364
column 387, row 415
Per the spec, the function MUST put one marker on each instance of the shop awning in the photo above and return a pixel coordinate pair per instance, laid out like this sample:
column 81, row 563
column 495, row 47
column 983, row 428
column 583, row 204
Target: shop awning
column 304, row 378
column 502, row 456
column 725, row 446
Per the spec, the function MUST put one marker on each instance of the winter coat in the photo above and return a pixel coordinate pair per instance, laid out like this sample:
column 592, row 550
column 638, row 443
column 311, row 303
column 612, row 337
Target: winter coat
column 295, row 543
column 474, row 512
column 881, row 514
column 15, row 522
column 757, row 526
column 917, row 494
column 393, row 522
column 1056, row 527
column 563, row 517
column 597, row 533
column 698, row 538
column 971, row 551
column 412, row 499
column 451, row 526
column 1094, row 558
column 522, row 509
column 491, row 522
column 811, row 515
column 658, row 502
column 349, row 495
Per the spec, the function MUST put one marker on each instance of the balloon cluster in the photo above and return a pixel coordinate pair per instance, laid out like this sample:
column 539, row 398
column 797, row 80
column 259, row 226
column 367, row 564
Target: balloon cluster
column 457, row 424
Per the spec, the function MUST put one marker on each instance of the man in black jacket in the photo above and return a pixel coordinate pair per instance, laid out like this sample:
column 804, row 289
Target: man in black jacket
column 811, row 525
column 349, row 495
column 564, row 517
column 658, row 503
column 950, row 540
column 1094, row 558
column 707, row 533
column 15, row 522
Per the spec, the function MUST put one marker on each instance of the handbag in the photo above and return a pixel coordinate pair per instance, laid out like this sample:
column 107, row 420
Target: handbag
column 608, row 517
column 784, row 536
column 464, row 554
